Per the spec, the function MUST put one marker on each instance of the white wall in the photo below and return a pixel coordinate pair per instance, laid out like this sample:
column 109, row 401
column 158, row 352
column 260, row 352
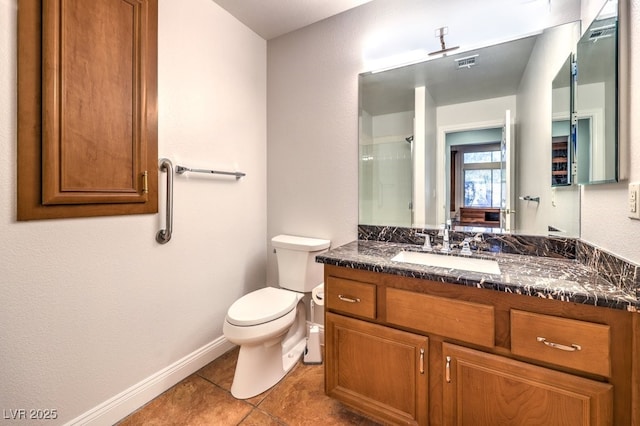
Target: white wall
column 92, row 307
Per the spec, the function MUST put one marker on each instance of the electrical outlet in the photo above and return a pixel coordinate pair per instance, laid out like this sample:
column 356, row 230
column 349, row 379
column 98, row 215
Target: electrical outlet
column 634, row 201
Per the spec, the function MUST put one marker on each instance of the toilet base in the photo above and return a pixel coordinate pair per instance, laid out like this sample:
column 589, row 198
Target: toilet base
column 261, row 366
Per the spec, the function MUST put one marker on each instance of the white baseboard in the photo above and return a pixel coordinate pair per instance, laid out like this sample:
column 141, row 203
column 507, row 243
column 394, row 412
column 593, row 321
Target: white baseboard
column 126, row 402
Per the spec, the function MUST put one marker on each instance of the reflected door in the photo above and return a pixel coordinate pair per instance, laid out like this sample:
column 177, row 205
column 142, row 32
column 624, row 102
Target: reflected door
column 387, row 168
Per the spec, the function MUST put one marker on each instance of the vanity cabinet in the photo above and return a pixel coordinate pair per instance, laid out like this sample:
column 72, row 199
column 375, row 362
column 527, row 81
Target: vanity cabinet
column 411, row 351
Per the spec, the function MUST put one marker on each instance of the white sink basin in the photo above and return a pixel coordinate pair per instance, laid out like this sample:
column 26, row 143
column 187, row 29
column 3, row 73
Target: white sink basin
column 485, row 266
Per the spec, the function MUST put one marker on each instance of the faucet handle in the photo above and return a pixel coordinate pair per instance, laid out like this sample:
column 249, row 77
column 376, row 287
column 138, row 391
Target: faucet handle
column 427, row 241
column 466, row 247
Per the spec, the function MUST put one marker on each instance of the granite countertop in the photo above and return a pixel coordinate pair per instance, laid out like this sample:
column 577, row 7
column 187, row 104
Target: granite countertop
column 550, row 278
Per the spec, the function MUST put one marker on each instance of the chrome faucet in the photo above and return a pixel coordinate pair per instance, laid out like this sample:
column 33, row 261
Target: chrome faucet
column 466, row 243
column 446, row 247
column 466, row 247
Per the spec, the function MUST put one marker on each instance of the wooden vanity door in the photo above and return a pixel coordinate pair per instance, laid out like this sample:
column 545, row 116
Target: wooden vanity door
column 376, row 369
column 94, row 145
column 482, row 389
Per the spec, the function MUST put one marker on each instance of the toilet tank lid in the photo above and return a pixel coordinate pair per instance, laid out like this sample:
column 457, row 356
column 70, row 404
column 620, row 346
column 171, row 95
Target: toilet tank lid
column 292, row 242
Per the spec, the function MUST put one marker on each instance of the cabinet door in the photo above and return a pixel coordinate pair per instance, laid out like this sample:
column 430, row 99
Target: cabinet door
column 376, row 369
column 483, row 389
column 87, row 90
column 93, row 142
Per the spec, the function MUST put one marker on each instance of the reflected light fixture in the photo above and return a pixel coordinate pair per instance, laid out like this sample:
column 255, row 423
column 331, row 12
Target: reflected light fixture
column 440, row 33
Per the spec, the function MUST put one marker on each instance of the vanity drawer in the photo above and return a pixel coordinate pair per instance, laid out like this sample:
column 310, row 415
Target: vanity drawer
column 570, row 343
column 465, row 321
column 351, row 297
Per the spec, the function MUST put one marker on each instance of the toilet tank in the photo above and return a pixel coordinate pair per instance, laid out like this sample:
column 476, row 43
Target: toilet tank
column 297, row 267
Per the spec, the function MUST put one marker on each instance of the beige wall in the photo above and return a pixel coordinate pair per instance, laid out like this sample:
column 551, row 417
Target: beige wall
column 94, row 314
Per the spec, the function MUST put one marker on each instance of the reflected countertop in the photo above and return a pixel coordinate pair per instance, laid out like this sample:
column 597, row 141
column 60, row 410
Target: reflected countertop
column 550, row 278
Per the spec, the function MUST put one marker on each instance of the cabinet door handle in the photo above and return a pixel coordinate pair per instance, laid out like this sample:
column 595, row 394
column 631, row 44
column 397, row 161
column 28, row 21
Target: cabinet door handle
column 447, row 370
column 571, row 348
column 348, row 299
column 421, row 361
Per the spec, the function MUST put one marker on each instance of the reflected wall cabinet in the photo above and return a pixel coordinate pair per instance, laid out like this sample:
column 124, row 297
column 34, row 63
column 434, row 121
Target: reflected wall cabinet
column 87, row 89
column 560, row 161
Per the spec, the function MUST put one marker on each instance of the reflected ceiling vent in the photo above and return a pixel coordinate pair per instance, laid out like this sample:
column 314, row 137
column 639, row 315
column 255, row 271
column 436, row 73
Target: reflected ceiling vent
column 467, row 61
column 602, row 32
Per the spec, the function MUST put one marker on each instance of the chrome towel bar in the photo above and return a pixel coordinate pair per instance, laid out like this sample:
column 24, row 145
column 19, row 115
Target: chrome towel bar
column 164, row 235
column 181, row 169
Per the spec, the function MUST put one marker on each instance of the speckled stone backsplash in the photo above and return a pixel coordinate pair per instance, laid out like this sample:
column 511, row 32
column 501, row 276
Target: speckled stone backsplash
column 613, row 268
column 617, row 271
column 530, row 245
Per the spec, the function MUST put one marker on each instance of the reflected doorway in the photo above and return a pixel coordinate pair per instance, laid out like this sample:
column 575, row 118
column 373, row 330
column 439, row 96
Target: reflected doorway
column 475, row 184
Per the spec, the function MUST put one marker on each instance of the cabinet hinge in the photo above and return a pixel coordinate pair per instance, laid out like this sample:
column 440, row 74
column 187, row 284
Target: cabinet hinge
column 145, row 182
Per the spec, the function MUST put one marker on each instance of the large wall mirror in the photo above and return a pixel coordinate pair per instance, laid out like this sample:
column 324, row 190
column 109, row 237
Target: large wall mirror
column 465, row 137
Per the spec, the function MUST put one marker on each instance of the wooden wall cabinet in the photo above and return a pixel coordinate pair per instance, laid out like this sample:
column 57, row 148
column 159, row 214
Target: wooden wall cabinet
column 87, row 108
column 483, row 363
column 560, row 162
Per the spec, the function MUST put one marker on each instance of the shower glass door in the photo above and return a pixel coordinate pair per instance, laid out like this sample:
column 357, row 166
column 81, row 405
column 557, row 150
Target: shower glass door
column 387, row 167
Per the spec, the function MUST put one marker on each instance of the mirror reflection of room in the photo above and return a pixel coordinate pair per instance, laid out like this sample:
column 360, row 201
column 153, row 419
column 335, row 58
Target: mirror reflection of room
column 422, row 184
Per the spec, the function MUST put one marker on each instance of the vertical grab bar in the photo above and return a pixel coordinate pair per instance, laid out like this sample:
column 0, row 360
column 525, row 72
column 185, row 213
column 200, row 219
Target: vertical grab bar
column 164, row 235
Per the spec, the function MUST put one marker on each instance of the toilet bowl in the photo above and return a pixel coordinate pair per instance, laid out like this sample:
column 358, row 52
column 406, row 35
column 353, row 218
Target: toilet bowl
column 269, row 348
column 269, row 324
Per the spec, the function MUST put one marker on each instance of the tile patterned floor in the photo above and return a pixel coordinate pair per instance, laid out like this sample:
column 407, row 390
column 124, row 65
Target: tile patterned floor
column 204, row 399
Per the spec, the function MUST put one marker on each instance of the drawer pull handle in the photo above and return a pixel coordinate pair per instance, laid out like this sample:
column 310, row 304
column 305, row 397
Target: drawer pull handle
column 447, row 370
column 348, row 299
column 571, row 348
column 421, row 361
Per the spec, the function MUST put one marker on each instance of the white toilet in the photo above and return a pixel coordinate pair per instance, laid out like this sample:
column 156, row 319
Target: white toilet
column 269, row 324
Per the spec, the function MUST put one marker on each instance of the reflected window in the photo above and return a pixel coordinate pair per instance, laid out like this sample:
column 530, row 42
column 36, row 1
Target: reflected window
column 482, row 177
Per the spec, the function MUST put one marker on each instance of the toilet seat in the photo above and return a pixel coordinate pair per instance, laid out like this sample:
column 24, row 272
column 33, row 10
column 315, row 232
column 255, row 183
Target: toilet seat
column 261, row 306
